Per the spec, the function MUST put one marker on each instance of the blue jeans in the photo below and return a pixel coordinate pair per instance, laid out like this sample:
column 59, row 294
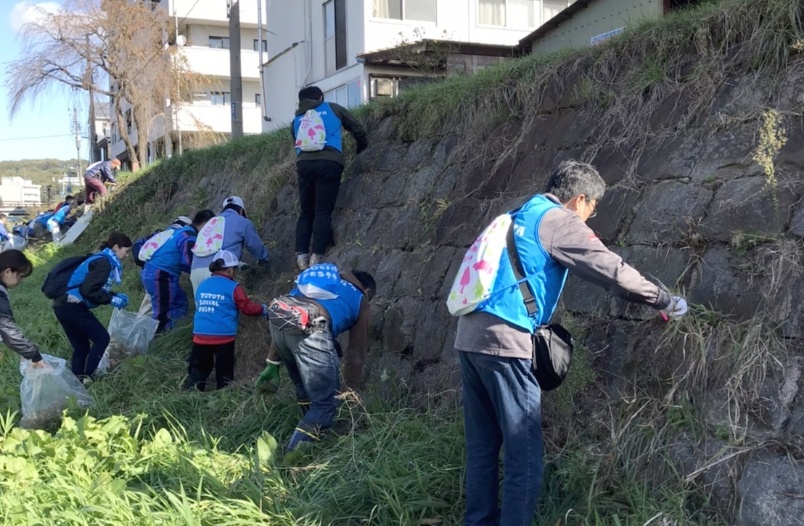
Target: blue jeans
column 312, row 365
column 502, row 408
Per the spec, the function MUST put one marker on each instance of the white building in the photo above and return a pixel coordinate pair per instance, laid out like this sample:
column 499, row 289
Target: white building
column 324, row 42
column 18, row 192
column 203, row 29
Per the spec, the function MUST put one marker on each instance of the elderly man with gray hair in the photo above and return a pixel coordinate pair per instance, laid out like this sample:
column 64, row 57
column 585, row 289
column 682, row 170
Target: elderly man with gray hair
column 501, row 396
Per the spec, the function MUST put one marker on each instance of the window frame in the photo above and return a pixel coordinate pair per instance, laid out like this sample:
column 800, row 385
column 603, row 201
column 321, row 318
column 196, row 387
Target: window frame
column 538, row 10
column 337, row 39
column 222, row 40
column 255, row 47
column 225, row 95
column 404, row 18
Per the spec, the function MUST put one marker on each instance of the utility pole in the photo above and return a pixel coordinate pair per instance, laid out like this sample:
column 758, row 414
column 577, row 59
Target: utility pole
column 177, row 95
column 77, row 133
column 236, row 93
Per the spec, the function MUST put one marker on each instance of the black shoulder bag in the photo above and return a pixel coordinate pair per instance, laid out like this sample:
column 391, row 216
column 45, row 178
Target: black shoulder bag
column 552, row 344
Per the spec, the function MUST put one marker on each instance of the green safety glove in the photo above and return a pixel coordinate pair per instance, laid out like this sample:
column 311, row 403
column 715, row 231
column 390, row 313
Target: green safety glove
column 269, row 375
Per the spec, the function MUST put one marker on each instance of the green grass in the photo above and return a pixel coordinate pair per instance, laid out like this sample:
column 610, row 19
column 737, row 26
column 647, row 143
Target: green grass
column 150, row 453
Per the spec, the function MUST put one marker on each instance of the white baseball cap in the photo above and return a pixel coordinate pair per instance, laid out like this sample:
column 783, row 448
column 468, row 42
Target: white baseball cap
column 234, row 200
column 183, row 221
column 229, row 259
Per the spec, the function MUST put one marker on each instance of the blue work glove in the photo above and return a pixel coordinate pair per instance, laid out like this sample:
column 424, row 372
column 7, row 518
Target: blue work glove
column 264, row 310
column 119, row 301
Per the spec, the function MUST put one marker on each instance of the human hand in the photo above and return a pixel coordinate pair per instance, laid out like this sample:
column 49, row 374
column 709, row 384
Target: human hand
column 39, row 365
column 676, row 309
column 264, row 310
column 120, row 301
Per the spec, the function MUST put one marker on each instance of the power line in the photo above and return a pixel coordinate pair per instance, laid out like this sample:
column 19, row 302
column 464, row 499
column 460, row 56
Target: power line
column 34, row 138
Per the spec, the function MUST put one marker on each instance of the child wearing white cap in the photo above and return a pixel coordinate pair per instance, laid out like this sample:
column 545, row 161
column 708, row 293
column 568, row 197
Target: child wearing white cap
column 219, row 300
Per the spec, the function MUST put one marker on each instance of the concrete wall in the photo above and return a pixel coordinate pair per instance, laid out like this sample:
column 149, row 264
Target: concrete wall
column 600, row 17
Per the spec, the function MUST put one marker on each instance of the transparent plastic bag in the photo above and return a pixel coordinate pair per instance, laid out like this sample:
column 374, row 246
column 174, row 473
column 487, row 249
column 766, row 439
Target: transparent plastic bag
column 45, row 391
column 130, row 334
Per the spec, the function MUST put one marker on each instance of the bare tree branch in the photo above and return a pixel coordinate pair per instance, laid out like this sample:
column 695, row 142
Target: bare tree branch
column 115, row 48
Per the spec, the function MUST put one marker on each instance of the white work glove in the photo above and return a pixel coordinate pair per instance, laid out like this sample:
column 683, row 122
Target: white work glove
column 676, row 309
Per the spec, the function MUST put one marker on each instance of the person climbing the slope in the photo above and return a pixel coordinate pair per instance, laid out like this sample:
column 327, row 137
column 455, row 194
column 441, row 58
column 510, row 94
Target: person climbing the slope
column 317, row 132
column 230, row 230
column 97, row 176
column 166, row 256
column 305, row 326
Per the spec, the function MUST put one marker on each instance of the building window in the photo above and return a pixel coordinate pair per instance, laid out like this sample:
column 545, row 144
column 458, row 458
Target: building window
column 219, row 42
column 335, row 35
column 424, row 10
column 264, row 45
column 220, row 98
column 347, row 95
column 258, row 99
column 551, row 8
column 520, row 14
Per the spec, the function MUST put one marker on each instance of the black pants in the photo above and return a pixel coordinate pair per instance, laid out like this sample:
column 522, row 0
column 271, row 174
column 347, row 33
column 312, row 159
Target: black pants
column 81, row 328
column 319, row 182
column 204, row 357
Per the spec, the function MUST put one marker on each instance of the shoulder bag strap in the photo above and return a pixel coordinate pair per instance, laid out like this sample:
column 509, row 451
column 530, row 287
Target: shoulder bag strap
column 524, row 289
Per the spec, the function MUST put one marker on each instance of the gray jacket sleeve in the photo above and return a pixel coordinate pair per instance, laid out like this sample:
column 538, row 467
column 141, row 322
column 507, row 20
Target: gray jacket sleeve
column 575, row 246
column 13, row 336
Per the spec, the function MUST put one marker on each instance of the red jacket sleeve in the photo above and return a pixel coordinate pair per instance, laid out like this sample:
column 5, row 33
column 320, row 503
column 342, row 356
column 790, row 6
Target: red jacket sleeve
column 245, row 305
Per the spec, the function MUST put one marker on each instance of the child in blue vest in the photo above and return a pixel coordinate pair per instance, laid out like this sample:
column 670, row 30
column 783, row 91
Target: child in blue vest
column 164, row 265
column 218, row 300
column 89, row 286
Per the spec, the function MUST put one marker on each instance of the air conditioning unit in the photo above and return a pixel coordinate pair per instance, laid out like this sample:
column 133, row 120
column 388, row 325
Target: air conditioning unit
column 383, row 87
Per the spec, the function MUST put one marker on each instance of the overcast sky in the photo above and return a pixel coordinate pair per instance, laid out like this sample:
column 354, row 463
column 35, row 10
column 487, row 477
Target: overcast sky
column 42, row 129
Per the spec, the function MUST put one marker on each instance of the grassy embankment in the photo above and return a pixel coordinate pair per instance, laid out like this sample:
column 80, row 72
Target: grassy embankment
column 150, row 453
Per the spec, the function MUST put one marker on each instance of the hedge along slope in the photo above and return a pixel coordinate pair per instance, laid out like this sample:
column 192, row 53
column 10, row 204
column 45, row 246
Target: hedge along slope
column 695, row 122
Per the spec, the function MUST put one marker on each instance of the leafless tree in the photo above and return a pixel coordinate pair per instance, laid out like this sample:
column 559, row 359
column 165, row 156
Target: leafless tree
column 119, row 48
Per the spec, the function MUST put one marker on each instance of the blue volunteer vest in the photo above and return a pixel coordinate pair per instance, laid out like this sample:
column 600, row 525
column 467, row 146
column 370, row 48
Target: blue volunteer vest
column 168, row 256
column 215, row 310
column 80, row 274
column 332, row 125
column 62, row 214
column 545, row 277
column 344, row 308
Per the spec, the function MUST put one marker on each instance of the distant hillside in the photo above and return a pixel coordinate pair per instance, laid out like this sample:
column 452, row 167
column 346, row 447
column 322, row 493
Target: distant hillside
column 40, row 171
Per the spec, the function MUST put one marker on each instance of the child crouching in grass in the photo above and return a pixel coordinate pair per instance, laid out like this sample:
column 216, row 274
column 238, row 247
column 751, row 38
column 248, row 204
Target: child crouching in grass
column 218, row 300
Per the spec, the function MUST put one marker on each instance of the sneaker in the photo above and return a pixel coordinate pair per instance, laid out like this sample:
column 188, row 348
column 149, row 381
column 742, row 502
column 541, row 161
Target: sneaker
column 302, row 261
column 315, row 259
